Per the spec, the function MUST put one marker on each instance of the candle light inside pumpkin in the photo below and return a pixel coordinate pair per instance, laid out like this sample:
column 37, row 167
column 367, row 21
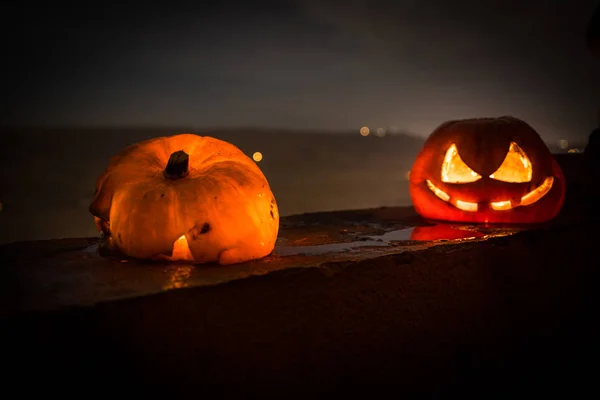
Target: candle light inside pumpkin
column 489, row 170
column 181, row 250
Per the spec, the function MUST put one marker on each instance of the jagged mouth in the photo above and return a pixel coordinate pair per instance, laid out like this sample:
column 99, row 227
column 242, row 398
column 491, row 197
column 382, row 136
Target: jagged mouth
column 526, row 200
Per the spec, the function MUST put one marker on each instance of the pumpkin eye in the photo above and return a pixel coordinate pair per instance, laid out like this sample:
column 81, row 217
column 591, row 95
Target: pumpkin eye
column 454, row 169
column 516, row 167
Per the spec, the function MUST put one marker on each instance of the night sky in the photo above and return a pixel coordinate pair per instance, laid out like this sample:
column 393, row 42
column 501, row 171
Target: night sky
column 320, row 64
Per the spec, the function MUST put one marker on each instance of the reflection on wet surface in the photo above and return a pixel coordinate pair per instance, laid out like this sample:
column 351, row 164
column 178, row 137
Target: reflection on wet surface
column 443, row 232
column 71, row 272
column 364, row 241
column 285, row 251
column 427, row 233
column 395, row 235
column 92, row 249
column 178, row 276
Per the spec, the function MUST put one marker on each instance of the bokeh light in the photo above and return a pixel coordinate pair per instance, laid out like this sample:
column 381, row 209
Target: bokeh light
column 257, row 156
column 364, row 131
column 380, row 132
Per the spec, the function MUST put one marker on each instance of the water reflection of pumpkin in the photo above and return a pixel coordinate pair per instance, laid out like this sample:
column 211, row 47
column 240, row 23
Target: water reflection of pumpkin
column 442, row 232
column 178, row 276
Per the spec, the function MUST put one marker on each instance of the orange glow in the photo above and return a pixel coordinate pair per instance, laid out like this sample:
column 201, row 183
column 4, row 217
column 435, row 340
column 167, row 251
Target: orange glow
column 364, row 131
column 443, row 232
column 178, row 277
column 538, row 192
column 438, row 192
column 501, row 205
column 494, row 163
column 454, row 169
column 530, row 198
column 466, row 205
column 257, row 156
column 220, row 201
column 515, row 168
column 181, row 250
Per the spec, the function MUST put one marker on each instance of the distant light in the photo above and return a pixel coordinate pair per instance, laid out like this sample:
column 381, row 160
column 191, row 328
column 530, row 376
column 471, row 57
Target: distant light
column 407, row 175
column 257, row 156
column 570, row 151
column 380, row 132
column 563, row 144
column 364, row 131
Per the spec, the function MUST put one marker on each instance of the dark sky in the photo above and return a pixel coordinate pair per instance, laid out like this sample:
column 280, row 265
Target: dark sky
column 301, row 64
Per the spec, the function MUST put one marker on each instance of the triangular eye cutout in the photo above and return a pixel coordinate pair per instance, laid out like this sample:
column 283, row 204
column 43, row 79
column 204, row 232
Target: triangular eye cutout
column 454, row 169
column 516, row 167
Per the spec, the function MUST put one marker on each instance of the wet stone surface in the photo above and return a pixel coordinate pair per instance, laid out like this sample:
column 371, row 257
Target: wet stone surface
column 52, row 274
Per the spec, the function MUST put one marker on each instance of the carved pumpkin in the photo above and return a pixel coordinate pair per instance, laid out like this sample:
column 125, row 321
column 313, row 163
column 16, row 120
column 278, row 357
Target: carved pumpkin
column 186, row 197
column 486, row 170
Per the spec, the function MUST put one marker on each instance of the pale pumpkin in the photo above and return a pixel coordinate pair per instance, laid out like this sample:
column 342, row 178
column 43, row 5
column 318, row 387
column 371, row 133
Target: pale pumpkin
column 186, row 197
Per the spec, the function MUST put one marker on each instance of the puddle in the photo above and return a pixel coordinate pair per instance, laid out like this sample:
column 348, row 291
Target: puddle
column 443, row 232
column 433, row 233
column 325, row 248
column 395, row 236
column 372, row 241
column 91, row 249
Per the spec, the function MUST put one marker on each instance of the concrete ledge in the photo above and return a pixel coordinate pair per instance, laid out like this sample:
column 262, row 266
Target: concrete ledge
column 501, row 315
column 51, row 274
column 507, row 314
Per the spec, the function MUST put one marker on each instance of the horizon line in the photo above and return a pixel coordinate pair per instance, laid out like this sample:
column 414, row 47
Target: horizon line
column 195, row 129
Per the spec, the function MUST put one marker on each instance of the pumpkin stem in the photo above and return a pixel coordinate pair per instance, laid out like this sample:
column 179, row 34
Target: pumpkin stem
column 178, row 164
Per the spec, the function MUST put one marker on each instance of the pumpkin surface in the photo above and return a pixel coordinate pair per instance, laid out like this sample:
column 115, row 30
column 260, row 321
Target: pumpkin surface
column 486, row 170
column 186, row 197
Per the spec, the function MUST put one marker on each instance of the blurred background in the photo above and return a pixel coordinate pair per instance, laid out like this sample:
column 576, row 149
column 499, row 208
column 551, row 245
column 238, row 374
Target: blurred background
column 48, row 176
column 337, row 96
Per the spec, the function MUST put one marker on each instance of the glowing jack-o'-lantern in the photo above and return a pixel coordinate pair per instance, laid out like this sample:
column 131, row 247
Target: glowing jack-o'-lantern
column 186, row 197
column 486, row 170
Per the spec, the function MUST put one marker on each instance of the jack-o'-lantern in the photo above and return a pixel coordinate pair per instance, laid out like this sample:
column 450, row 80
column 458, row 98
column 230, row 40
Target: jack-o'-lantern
column 486, row 170
column 186, row 197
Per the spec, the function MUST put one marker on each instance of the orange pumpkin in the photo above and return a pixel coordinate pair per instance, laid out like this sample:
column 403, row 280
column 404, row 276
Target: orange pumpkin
column 486, row 170
column 186, row 197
